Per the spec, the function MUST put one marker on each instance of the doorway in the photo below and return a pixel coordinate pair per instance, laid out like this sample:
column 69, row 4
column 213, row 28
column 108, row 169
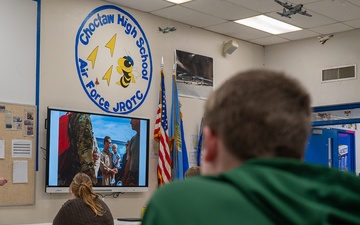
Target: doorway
column 335, row 137
column 332, row 147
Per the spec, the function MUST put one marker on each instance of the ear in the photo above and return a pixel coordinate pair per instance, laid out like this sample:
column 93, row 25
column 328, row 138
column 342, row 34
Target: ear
column 211, row 144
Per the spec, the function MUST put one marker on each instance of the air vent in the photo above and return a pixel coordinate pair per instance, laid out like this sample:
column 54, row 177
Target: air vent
column 339, row 73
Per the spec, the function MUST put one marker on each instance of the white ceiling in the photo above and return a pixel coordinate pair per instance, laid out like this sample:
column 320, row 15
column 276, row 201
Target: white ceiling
column 328, row 16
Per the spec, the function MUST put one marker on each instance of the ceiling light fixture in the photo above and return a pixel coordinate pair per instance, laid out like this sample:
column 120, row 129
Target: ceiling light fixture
column 179, row 1
column 268, row 24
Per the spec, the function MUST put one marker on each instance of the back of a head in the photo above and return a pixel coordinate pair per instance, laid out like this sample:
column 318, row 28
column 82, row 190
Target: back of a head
column 81, row 187
column 260, row 113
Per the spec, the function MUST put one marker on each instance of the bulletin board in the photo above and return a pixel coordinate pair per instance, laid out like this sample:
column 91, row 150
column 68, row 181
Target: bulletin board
column 17, row 154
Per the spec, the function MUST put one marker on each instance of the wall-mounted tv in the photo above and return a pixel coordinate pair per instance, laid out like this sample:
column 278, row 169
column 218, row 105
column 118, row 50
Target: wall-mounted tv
column 80, row 141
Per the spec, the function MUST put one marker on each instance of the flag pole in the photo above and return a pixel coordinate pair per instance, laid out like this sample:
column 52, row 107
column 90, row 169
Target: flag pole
column 159, row 172
column 162, row 63
column 173, row 149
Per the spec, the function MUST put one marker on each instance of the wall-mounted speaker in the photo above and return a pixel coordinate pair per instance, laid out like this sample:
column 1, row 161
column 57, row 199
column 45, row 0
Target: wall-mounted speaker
column 230, row 47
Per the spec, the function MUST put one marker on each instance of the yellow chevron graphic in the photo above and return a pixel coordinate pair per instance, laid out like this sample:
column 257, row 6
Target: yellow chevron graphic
column 92, row 56
column 107, row 75
column 111, row 45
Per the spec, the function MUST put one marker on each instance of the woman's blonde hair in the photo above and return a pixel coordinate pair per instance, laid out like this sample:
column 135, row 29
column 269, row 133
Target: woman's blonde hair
column 192, row 171
column 81, row 187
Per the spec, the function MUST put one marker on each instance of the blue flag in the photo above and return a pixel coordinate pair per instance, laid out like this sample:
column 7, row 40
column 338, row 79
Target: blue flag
column 176, row 133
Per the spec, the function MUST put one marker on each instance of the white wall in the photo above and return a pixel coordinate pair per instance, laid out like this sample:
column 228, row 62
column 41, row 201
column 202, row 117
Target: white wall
column 305, row 59
column 18, row 51
column 60, row 87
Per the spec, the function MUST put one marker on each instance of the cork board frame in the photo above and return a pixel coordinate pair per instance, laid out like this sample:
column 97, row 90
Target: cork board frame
column 17, row 153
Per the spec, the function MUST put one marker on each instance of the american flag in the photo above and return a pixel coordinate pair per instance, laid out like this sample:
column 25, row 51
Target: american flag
column 160, row 135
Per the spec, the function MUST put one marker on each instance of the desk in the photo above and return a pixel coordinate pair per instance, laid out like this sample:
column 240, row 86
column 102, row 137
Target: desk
column 117, row 222
column 127, row 223
column 123, row 220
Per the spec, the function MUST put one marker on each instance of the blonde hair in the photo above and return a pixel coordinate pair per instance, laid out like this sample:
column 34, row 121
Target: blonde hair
column 81, row 187
column 192, row 171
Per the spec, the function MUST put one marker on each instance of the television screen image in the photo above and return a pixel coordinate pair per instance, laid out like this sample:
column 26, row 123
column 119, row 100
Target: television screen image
column 111, row 149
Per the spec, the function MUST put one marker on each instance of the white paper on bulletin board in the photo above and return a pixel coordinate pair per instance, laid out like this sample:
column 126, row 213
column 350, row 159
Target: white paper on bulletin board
column 2, row 149
column 21, row 148
column 20, row 171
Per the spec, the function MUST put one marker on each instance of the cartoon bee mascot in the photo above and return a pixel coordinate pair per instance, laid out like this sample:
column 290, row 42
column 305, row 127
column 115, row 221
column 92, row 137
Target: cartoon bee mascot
column 125, row 66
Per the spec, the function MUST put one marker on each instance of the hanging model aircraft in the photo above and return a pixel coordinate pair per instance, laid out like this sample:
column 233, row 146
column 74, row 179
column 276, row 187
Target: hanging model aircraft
column 289, row 9
column 167, row 29
column 324, row 39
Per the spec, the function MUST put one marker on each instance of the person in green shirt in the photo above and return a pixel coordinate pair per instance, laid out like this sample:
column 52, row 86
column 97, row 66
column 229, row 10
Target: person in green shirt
column 256, row 126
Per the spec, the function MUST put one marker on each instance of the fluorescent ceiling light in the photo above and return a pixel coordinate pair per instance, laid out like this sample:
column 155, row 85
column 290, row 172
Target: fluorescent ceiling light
column 178, row 1
column 268, row 24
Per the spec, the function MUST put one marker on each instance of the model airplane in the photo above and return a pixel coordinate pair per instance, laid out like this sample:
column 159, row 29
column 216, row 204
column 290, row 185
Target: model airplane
column 324, row 39
column 289, row 9
column 167, row 29
column 193, row 79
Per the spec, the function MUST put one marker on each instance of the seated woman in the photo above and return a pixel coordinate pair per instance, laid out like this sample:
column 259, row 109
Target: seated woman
column 85, row 207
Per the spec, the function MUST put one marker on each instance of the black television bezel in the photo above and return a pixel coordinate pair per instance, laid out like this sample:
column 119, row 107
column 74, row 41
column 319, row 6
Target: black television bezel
column 107, row 189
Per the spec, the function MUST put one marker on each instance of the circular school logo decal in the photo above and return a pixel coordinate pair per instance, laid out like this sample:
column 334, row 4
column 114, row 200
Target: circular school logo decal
column 113, row 60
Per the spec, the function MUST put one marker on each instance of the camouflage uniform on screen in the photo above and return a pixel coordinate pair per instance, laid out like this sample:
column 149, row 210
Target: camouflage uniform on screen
column 79, row 157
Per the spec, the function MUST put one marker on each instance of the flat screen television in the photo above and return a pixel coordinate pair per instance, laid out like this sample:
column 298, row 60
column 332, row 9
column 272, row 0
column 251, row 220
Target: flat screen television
column 75, row 143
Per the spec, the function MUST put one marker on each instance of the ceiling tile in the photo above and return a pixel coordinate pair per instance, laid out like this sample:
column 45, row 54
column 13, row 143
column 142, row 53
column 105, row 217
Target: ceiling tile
column 333, row 28
column 336, row 10
column 269, row 40
column 356, row 2
column 188, row 16
column 221, row 9
column 146, row 6
column 295, row 2
column 262, row 6
column 236, row 30
column 353, row 23
column 301, row 34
